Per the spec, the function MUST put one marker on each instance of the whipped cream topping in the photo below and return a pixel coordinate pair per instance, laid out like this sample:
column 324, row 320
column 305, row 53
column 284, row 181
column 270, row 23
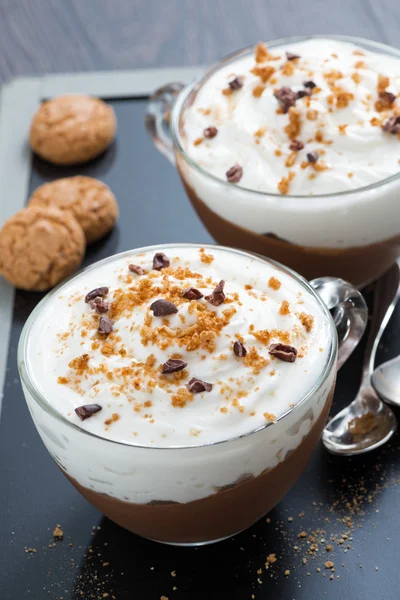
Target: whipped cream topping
column 314, row 117
column 226, row 339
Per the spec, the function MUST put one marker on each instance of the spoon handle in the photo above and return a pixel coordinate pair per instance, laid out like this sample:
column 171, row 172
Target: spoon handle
column 386, row 295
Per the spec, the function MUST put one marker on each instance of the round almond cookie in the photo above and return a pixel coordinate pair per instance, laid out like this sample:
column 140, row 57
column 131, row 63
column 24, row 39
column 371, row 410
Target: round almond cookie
column 72, row 129
column 39, row 247
column 92, row 203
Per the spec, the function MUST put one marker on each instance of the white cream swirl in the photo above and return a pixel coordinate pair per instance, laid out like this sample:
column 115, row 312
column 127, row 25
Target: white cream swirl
column 246, row 392
column 339, row 120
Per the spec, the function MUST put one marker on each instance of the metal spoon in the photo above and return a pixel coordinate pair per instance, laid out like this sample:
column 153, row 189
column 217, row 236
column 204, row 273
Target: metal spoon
column 367, row 422
column 386, row 378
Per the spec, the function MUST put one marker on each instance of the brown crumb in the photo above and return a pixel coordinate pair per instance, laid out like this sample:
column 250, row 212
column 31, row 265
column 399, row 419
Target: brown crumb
column 302, row 534
column 269, row 417
column 356, row 77
column 291, row 159
column 329, row 548
column 343, row 98
column 340, row 97
column 293, row 128
column 264, row 73
column 312, row 114
column 258, row 90
column 198, row 141
column 342, row 128
column 288, row 69
column 329, row 564
column 80, row 363
column 260, row 132
column 386, row 99
column 284, row 183
column 62, row 380
column 114, row 417
column 383, row 83
column 271, row 558
column 181, row 397
column 58, row 533
column 307, row 321
column 284, row 308
column 333, row 76
column 255, row 361
column 274, row 283
column 206, row 258
column 361, row 426
column 261, row 53
column 287, row 573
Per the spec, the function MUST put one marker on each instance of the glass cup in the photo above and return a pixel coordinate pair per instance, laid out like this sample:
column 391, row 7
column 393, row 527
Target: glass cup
column 199, row 494
column 314, row 236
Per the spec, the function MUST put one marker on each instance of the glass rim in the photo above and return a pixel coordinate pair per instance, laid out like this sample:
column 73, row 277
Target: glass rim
column 40, row 399
column 174, row 125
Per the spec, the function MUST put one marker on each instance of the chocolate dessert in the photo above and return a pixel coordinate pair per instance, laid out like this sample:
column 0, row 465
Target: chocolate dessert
column 292, row 151
column 182, row 389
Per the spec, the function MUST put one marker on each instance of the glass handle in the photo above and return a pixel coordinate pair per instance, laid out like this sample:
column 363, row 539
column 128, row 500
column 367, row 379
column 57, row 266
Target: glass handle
column 349, row 312
column 158, row 114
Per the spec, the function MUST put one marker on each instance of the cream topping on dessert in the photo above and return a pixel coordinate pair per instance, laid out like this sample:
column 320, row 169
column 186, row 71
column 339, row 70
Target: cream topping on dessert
column 182, row 347
column 313, row 117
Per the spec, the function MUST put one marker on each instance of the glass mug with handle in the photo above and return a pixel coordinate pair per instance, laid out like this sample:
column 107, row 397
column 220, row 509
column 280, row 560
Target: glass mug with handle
column 353, row 233
column 201, row 493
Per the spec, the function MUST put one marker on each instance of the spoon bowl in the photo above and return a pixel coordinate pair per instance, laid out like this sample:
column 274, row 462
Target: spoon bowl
column 386, row 381
column 360, row 427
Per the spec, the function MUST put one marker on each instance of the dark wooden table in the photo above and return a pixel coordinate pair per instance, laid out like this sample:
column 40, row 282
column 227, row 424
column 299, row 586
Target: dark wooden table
column 47, row 36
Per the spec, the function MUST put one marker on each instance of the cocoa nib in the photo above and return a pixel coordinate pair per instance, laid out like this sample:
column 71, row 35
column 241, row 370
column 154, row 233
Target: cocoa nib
column 234, row 174
column 392, row 125
column 98, row 292
column 286, row 97
column 87, row 410
column 388, row 97
column 160, row 261
column 302, row 94
column 196, row 386
column 136, row 269
column 218, row 296
column 239, row 349
column 291, row 56
column 192, row 294
column 100, row 305
column 173, row 365
column 310, row 85
column 283, row 352
column 236, row 83
column 210, row 132
column 105, row 325
column 312, row 157
column 296, row 145
column 163, row 308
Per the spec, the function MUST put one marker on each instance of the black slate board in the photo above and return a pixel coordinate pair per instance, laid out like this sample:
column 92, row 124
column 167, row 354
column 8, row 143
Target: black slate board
column 34, row 495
